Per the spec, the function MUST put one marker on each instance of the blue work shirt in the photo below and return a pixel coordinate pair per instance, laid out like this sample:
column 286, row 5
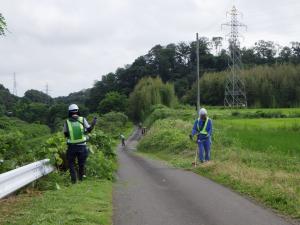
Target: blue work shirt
column 201, row 124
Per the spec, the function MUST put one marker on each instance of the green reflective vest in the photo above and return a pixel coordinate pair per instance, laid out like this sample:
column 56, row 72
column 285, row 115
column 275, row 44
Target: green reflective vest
column 76, row 131
column 203, row 131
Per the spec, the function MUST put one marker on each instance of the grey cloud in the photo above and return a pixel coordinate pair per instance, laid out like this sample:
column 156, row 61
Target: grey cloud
column 71, row 43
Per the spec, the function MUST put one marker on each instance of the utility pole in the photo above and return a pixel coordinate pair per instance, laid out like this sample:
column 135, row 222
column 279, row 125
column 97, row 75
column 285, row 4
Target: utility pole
column 235, row 93
column 15, row 92
column 198, row 73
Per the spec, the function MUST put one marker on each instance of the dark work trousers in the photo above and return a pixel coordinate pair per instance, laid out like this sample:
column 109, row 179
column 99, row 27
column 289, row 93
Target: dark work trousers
column 80, row 153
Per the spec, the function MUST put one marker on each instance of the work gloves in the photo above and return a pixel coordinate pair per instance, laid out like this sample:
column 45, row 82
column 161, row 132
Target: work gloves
column 94, row 121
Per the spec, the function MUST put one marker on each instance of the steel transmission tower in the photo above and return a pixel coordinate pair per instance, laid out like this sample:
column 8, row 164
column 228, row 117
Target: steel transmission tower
column 47, row 89
column 15, row 85
column 47, row 92
column 235, row 93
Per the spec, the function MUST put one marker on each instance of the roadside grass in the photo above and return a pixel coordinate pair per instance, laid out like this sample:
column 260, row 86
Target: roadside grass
column 89, row 202
column 256, row 157
column 255, row 113
column 53, row 200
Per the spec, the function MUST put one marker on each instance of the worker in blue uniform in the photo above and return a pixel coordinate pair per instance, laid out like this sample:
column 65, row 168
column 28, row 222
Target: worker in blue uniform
column 203, row 129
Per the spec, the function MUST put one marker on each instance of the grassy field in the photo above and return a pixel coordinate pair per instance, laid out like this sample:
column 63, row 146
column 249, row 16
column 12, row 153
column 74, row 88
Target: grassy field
column 89, row 202
column 259, row 157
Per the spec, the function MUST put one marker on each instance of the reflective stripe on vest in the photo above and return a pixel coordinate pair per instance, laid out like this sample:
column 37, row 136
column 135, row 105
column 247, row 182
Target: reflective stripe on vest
column 76, row 131
column 203, row 131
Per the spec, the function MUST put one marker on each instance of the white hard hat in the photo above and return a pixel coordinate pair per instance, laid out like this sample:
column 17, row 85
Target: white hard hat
column 202, row 112
column 73, row 107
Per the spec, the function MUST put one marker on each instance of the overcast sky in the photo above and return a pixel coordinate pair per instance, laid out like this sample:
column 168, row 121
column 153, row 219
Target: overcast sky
column 70, row 43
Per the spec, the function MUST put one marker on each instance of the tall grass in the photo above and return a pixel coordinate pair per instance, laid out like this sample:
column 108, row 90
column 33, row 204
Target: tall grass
column 259, row 157
column 89, row 202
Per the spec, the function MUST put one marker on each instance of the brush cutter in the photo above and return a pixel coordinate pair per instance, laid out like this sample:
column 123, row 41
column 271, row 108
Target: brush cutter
column 196, row 154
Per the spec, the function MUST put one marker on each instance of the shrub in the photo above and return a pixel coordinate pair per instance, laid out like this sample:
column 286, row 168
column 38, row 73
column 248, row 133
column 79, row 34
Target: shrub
column 10, row 150
column 100, row 166
column 103, row 143
column 235, row 113
column 167, row 135
column 54, row 148
column 112, row 123
column 100, row 163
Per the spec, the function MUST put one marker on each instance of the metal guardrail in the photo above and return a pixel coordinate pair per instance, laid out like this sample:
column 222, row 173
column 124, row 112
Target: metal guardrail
column 15, row 179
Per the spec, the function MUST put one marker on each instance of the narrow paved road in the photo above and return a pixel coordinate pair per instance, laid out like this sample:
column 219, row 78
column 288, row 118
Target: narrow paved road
column 150, row 193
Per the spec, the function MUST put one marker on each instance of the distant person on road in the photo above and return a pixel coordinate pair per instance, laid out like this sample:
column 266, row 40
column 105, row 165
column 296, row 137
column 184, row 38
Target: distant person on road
column 144, row 130
column 141, row 128
column 203, row 129
column 122, row 137
column 75, row 130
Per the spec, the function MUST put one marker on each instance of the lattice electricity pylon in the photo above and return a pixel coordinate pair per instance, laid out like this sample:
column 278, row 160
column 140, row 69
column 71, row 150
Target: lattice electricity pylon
column 15, row 92
column 235, row 93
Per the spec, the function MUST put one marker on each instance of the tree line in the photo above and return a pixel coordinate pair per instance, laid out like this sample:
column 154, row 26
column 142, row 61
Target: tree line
column 176, row 63
column 36, row 107
column 270, row 74
column 266, row 86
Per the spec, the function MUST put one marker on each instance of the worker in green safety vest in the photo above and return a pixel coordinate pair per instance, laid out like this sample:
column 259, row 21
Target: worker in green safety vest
column 203, row 129
column 75, row 130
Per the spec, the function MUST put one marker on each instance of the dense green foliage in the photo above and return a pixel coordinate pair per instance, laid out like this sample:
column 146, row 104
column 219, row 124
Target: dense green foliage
column 101, row 162
column 7, row 101
column 2, row 25
column 79, row 97
column 266, row 86
column 256, row 152
column 87, row 202
column 147, row 93
column 37, row 96
column 176, row 63
column 113, row 123
column 37, row 107
column 19, row 141
column 22, row 143
column 32, row 109
column 113, row 101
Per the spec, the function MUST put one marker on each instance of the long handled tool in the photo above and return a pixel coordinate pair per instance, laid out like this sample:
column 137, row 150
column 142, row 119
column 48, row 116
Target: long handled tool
column 196, row 157
column 196, row 154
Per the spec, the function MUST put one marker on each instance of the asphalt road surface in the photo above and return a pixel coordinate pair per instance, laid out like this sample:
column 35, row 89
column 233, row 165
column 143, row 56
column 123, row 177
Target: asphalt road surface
column 150, row 193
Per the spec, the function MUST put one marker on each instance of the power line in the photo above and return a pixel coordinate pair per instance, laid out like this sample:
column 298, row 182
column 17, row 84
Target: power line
column 235, row 94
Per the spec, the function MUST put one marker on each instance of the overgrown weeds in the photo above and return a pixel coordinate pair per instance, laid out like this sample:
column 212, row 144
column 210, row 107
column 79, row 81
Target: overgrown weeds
column 257, row 157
